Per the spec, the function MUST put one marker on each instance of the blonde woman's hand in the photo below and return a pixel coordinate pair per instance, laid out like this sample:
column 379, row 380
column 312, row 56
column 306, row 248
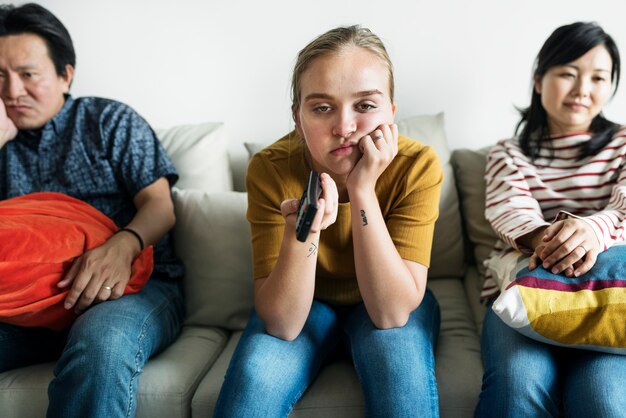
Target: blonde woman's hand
column 327, row 206
column 378, row 148
column 570, row 247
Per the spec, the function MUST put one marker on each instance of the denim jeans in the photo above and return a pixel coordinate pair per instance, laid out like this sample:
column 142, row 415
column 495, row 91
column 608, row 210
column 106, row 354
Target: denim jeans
column 396, row 367
column 528, row 378
column 102, row 354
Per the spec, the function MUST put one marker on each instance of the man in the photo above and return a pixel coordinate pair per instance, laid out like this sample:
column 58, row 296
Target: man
column 99, row 151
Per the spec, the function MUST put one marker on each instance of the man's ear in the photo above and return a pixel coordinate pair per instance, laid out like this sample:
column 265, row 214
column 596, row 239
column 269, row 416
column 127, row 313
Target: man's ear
column 67, row 78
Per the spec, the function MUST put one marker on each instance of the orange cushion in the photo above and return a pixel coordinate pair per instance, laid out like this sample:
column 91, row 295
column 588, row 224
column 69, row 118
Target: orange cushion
column 40, row 236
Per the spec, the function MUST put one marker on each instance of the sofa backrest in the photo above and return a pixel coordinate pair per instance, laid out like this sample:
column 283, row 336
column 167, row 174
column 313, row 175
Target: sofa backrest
column 212, row 235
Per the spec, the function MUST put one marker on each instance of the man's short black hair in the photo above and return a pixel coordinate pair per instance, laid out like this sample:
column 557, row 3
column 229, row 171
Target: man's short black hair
column 35, row 19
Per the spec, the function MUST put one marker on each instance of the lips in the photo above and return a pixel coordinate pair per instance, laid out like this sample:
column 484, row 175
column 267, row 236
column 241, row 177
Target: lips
column 344, row 150
column 576, row 106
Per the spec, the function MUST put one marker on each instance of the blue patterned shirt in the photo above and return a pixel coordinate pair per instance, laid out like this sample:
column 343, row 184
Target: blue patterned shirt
column 99, row 151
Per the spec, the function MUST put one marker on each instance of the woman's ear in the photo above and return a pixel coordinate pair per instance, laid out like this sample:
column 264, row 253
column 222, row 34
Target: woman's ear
column 296, row 119
column 394, row 107
column 537, row 84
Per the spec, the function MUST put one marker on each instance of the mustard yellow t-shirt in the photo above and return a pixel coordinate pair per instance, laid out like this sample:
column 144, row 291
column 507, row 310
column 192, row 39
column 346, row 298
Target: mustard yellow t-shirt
column 408, row 194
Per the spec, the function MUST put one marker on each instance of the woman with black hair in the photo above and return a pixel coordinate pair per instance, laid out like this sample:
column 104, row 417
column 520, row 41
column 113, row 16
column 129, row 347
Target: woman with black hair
column 557, row 192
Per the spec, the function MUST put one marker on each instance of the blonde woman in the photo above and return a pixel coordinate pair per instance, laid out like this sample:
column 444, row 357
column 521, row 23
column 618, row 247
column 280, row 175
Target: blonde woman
column 357, row 285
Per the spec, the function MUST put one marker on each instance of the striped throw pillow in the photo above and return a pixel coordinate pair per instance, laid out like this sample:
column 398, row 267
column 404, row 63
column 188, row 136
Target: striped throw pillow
column 587, row 312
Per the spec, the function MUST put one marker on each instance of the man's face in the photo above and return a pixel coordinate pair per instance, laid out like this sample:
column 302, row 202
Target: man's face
column 30, row 88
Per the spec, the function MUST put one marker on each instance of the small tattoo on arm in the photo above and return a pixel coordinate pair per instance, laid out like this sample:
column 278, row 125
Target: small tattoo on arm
column 312, row 250
column 363, row 217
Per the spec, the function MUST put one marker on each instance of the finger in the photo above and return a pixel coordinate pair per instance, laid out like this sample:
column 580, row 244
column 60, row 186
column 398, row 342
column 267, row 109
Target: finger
column 377, row 136
column 329, row 193
column 78, row 286
column 576, row 254
column 105, row 293
column 317, row 224
column 559, row 246
column 588, row 262
column 552, row 230
column 70, row 274
column 569, row 271
column 118, row 290
column 533, row 262
column 88, row 296
column 289, row 206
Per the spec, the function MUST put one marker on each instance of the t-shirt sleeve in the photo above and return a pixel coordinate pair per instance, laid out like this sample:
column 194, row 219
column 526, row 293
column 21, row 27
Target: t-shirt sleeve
column 138, row 157
column 411, row 220
column 265, row 194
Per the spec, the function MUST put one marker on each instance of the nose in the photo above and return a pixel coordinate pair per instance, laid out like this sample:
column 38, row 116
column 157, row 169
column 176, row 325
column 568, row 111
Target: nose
column 345, row 124
column 582, row 88
column 12, row 86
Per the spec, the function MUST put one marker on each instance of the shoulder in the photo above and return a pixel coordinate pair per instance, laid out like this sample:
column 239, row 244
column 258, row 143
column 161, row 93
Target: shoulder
column 279, row 154
column 108, row 113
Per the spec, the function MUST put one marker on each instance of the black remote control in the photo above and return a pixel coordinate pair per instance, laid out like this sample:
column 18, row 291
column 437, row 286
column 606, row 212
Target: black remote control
column 308, row 206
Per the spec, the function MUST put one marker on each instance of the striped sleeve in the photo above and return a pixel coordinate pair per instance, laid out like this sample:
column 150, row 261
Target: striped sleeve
column 609, row 224
column 510, row 207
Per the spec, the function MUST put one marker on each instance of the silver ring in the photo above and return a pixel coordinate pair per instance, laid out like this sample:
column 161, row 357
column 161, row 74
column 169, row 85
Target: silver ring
column 377, row 137
column 109, row 288
column 584, row 249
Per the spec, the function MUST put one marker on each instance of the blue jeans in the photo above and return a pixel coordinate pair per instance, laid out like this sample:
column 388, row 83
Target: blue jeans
column 527, row 378
column 102, row 354
column 396, row 367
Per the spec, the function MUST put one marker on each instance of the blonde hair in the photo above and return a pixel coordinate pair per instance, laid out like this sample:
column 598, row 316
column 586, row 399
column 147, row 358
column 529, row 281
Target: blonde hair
column 332, row 42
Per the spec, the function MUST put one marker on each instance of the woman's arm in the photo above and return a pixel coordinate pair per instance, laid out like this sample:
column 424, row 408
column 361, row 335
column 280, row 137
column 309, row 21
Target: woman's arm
column 283, row 299
column 391, row 287
column 510, row 207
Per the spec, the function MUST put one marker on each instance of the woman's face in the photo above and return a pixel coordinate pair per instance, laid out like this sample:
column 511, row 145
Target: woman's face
column 575, row 93
column 345, row 96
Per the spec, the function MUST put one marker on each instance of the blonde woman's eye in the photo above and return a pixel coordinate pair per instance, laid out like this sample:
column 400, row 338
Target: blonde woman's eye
column 321, row 109
column 364, row 107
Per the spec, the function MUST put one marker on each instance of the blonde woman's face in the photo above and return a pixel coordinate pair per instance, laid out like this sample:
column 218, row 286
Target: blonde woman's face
column 344, row 96
column 575, row 93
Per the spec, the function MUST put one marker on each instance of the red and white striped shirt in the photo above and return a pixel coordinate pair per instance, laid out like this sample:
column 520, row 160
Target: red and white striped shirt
column 523, row 195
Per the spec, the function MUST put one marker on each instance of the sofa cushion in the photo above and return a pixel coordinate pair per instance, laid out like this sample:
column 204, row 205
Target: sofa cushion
column 447, row 259
column 469, row 170
column 200, row 155
column 212, row 237
column 447, row 252
column 166, row 386
column 336, row 391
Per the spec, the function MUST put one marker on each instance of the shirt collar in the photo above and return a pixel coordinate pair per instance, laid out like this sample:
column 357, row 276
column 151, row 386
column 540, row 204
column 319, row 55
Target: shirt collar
column 60, row 120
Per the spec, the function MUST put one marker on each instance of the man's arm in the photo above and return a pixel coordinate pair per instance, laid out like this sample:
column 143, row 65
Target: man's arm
column 109, row 266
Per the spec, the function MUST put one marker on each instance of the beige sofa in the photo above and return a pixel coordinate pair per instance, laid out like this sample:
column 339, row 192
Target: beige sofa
column 212, row 237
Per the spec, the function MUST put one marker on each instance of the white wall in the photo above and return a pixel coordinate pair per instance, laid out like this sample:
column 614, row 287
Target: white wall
column 188, row 61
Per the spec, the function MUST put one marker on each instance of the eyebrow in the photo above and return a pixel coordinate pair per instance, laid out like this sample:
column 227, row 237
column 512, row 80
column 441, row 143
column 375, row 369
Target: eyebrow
column 578, row 69
column 364, row 93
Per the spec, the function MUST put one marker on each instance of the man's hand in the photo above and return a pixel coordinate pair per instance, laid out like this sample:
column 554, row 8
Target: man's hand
column 100, row 274
column 8, row 130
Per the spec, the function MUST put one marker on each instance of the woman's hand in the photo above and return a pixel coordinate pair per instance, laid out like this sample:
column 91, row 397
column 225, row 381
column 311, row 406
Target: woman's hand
column 569, row 246
column 378, row 148
column 327, row 206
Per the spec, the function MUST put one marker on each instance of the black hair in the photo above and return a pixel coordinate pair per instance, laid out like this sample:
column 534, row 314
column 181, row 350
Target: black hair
column 35, row 19
column 566, row 44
